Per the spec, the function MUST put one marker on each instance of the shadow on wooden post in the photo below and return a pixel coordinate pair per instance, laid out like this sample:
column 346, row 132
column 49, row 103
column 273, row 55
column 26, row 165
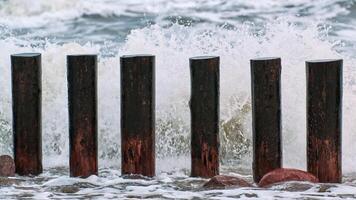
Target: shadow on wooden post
column 266, row 116
column 82, row 102
column 138, row 115
column 324, row 119
column 26, row 104
column 204, row 106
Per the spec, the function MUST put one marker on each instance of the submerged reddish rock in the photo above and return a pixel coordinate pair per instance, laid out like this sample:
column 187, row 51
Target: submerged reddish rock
column 284, row 175
column 7, row 166
column 222, row 181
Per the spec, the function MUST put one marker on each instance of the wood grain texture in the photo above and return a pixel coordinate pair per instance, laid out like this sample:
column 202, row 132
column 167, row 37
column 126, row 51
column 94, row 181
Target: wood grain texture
column 26, row 104
column 204, row 106
column 138, row 115
column 83, row 123
column 266, row 116
column 324, row 119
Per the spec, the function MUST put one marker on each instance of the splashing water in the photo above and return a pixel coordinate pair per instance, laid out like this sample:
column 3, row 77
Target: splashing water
column 235, row 31
column 173, row 46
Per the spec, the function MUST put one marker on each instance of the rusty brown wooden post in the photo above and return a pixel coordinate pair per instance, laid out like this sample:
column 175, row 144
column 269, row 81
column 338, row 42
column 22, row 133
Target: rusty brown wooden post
column 266, row 115
column 138, row 115
column 204, row 106
column 26, row 104
column 82, row 104
column 324, row 113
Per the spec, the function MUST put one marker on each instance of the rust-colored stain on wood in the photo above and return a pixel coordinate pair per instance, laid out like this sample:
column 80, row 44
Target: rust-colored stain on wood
column 136, row 158
column 82, row 101
column 138, row 115
column 325, row 162
column 26, row 102
column 205, row 164
column 266, row 116
column 324, row 115
column 204, row 106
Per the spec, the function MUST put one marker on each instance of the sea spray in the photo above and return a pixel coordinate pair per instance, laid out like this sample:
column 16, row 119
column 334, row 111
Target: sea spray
column 173, row 46
column 174, row 30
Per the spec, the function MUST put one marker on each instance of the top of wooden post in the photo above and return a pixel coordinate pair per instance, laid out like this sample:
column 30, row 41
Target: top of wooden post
column 137, row 55
column 81, row 55
column 323, row 60
column 26, row 55
column 203, row 57
column 265, row 59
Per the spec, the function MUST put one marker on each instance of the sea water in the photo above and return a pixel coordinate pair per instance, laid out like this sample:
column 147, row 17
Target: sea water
column 174, row 30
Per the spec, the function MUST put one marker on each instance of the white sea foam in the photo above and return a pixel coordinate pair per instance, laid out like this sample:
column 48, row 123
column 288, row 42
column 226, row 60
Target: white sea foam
column 173, row 46
column 37, row 13
column 111, row 185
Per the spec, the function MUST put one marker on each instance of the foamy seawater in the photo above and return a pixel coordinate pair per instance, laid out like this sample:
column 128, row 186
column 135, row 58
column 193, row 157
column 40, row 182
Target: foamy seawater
column 56, row 184
column 295, row 30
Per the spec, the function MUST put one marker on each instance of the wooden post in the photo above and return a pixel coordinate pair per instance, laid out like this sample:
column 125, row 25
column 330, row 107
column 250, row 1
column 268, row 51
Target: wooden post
column 204, row 106
column 266, row 115
column 324, row 113
column 83, row 124
column 138, row 115
column 26, row 104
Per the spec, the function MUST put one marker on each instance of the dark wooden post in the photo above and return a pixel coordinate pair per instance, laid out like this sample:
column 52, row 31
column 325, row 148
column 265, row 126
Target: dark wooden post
column 266, row 115
column 26, row 104
column 324, row 113
column 82, row 104
column 204, row 106
column 138, row 115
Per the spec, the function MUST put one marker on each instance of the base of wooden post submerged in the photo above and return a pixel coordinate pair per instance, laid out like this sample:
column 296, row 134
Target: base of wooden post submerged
column 266, row 116
column 204, row 106
column 82, row 103
column 138, row 115
column 26, row 104
column 324, row 119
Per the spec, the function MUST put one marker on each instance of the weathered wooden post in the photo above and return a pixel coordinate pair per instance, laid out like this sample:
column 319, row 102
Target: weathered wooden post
column 266, row 115
column 138, row 115
column 26, row 104
column 204, row 106
column 324, row 119
column 83, row 124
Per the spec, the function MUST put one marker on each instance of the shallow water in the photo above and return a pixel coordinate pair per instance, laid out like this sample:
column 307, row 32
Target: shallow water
column 55, row 184
column 295, row 30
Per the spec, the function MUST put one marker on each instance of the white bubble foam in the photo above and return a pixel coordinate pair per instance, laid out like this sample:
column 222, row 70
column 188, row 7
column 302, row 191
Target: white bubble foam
column 173, row 46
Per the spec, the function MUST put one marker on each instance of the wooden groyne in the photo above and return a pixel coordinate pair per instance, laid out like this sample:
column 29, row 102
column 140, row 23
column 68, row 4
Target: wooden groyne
column 266, row 115
column 324, row 115
column 204, row 106
column 83, row 122
column 324, row 122
column 138, row 115
column 26, row 107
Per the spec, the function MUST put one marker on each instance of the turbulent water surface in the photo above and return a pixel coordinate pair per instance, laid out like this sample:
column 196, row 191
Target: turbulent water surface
column 174, row 30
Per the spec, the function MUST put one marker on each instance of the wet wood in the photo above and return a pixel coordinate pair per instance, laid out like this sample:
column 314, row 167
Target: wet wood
column 26, row 104
column 138, row 115
column 204, row 106
column 324, row 119
column 266, row 115
column 83, row 124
